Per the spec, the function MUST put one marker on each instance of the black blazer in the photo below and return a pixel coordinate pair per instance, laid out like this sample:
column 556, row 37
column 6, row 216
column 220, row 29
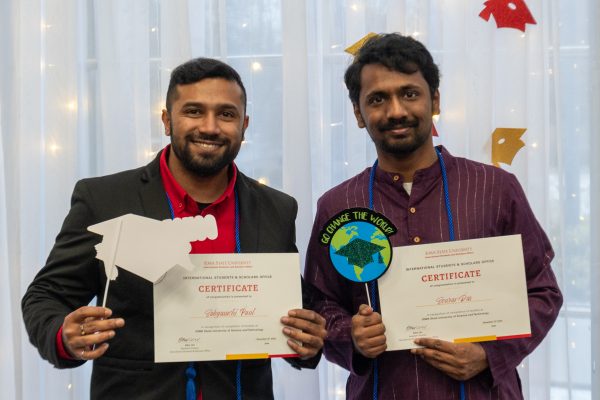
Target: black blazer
column 72, row 277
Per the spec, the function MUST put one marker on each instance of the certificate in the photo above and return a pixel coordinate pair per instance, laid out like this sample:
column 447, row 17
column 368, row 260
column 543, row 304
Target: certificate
column 460, row 291
column 227, row 308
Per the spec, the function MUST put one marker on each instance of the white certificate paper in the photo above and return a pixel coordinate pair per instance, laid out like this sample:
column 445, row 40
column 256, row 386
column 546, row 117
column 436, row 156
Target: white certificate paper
column 460, row 291
column 227, row 308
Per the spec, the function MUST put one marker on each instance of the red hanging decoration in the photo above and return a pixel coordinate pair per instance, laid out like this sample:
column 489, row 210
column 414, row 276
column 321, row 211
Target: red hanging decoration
column 508, row 13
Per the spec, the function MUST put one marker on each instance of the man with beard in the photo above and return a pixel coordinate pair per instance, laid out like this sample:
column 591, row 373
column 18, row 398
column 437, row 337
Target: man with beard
column 393, row 85
column 205, row 118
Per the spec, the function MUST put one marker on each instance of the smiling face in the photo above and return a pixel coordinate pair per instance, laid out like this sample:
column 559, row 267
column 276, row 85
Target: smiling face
column 206, row 124
column 396, row 109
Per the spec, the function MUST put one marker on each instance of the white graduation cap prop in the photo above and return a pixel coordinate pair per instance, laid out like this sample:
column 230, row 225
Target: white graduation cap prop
column 148, row 247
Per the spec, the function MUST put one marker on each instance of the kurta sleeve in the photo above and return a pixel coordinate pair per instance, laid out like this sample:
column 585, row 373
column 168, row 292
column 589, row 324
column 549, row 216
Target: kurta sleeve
column 544, row 296
column 68, row 281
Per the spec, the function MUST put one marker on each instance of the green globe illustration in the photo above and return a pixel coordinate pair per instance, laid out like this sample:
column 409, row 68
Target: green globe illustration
column 360, row 251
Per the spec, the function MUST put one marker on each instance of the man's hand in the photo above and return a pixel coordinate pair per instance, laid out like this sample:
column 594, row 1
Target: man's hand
column 306, row 327
column 86, row 330
column 460, row 361
column 368, row 332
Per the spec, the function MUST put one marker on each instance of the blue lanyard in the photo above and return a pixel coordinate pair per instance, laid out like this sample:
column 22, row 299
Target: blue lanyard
column 190, row 371
column 373, row 284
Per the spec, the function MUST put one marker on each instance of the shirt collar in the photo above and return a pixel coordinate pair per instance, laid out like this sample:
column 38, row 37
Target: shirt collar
column 430, row 173
column 180, row 200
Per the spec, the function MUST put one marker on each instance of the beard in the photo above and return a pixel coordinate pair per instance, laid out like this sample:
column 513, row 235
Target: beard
column 419, row 136
column 201, row 165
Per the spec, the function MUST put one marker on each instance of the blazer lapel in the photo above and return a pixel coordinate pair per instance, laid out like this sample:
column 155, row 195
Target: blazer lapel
column 152, row 193
column 250, row 215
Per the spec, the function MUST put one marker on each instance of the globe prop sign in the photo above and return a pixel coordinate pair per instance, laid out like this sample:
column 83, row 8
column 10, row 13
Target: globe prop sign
column 359, row 245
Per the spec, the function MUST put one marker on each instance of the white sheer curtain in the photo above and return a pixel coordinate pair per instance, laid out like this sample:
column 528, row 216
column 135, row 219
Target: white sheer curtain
column 82, row 84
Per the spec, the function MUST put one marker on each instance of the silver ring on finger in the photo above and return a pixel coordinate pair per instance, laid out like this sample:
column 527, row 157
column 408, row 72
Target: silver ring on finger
column 82, row 354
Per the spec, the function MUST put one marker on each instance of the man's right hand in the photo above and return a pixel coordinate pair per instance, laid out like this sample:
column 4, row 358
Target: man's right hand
column 86, row 330
column 368, row 332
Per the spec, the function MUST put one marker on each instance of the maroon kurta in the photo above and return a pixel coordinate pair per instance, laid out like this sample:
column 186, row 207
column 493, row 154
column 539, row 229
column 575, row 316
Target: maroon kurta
column 486, row 201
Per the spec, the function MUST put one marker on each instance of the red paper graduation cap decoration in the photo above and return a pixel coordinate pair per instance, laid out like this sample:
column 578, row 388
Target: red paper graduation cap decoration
column 508, row 13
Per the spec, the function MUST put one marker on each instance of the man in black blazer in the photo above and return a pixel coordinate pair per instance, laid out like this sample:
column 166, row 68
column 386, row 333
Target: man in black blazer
column 205, row 119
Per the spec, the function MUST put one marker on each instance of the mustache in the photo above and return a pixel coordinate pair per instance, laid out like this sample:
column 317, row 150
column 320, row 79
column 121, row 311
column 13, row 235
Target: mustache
column 215, row 138
column 399, row 124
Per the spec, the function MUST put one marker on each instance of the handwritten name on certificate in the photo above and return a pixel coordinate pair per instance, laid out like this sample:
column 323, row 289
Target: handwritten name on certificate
column 460, row 291
column 227, row 308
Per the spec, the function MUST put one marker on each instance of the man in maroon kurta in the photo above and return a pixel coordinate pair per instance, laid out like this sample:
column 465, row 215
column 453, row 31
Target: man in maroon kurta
column 393, row 84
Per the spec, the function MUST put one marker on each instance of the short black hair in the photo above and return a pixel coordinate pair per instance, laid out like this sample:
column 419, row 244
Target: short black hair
column 397, row 53
column 198, row 69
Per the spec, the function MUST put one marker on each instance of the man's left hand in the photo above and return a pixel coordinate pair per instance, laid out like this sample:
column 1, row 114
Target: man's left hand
column 460, row 361
column 306, row 327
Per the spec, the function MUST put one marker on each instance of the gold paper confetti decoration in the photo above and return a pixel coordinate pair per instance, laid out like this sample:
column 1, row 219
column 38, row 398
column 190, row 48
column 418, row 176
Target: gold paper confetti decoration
column 353, row 49
column 506, row 143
